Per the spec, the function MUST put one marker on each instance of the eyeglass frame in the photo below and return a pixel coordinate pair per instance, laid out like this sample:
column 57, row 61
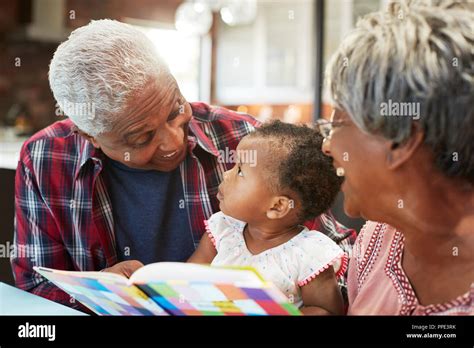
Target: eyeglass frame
column 325, row 127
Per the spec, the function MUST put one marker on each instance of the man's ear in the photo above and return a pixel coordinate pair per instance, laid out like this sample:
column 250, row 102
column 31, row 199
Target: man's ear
column 280, row 207
column 94, row 142
column 397, row 154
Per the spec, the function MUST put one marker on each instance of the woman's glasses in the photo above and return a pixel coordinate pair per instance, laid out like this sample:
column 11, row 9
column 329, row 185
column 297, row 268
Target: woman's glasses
column 326, row 127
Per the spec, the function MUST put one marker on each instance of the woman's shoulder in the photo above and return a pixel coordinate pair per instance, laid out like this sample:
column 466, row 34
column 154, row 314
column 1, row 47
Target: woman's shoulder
column 375, row 240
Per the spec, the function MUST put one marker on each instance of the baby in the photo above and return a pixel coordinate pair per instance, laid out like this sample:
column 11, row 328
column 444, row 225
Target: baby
column 263, row 205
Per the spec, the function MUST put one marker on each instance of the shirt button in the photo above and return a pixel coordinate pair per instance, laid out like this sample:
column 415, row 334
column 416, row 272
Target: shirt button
column 72, row 204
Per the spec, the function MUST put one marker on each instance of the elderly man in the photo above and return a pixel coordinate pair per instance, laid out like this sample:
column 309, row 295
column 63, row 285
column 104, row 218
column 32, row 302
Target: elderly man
column 133, row 173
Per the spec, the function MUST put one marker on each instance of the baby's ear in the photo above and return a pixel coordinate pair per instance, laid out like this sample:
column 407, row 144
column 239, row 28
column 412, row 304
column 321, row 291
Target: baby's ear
column 280, row 207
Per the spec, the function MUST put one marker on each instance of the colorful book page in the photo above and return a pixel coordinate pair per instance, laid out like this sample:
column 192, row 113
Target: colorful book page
column 105, row 296
column 204, row 298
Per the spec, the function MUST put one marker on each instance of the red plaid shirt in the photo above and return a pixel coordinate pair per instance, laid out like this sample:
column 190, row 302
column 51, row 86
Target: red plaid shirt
column 64, row 216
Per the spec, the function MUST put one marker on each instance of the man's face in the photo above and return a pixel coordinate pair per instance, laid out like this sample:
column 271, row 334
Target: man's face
column 152, row 134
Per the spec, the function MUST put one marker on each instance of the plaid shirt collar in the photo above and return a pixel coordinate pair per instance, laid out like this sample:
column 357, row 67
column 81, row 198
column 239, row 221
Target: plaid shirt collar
column 202, row 140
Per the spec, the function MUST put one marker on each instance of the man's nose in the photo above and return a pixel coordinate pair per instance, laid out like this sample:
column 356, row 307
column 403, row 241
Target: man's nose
column 171, row 138
column 326, row 147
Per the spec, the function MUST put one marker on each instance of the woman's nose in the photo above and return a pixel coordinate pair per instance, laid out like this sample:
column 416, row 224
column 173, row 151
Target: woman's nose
column 326, row 147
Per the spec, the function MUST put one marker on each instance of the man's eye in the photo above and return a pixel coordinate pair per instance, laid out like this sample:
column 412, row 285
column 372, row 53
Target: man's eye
column 239, row 171
column 144, row 140
column 173, row 115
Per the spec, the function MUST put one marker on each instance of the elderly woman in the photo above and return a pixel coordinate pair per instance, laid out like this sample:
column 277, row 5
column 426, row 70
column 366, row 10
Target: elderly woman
column 402, row 135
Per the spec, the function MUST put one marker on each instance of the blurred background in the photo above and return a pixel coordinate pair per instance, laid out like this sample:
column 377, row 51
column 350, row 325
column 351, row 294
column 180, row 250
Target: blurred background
column 262, row 57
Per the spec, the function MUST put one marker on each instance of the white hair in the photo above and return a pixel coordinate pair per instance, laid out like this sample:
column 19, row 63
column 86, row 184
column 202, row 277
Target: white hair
column 421, row 54
column 98, row 68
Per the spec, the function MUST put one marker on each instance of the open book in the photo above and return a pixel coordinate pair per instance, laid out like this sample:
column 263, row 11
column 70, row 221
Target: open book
column 172, row 288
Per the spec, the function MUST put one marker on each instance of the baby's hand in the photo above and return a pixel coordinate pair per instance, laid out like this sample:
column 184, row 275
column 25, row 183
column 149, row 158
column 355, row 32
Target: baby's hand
column 322, row 295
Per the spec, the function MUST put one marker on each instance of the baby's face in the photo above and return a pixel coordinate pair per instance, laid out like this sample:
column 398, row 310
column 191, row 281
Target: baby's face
column 244, row 193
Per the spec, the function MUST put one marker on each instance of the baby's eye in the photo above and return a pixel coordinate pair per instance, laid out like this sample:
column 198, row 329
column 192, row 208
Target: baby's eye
column 239, row 171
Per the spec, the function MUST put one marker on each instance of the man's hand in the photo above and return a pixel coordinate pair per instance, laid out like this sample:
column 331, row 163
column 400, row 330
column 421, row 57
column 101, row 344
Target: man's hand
column 125, row 268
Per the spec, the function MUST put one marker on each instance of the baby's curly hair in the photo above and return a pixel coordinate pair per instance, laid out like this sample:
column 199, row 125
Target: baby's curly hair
column 297, row 163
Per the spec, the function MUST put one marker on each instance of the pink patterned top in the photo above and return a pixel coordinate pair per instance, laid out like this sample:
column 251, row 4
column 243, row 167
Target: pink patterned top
column 378, row 285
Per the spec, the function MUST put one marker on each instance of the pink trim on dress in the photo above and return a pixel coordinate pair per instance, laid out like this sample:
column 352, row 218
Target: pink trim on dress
column 342, row 269
column 209, row 233
column 344, row 264
column 371, row 253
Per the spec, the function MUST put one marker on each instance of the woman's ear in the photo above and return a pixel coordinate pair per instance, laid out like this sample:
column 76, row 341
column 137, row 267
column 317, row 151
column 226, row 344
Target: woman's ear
column 399, row 153
column 280, row 207
column 94, row 142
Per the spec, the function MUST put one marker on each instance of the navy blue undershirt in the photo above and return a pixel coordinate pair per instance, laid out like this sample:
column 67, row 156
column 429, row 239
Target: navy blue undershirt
column 150, row 217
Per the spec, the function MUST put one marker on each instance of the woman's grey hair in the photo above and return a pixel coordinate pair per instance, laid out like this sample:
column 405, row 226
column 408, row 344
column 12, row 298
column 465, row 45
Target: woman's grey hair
column 412, row 63
column 100, row 66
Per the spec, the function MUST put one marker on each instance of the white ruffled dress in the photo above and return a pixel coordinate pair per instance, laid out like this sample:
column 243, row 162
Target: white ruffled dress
column 289, row 266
